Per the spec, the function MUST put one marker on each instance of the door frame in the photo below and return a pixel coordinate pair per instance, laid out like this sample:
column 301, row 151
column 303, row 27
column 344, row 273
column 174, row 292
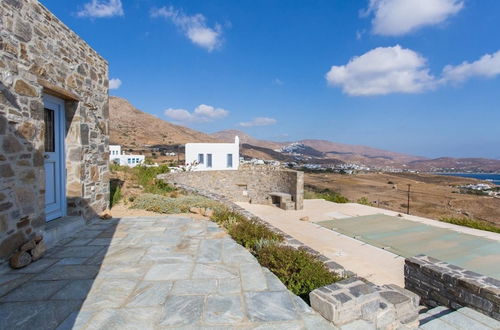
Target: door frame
column 57, row 105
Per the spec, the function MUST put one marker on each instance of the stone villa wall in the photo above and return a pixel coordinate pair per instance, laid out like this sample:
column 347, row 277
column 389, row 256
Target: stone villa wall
column 439, row 283
column 253, row 185
column 39, row 54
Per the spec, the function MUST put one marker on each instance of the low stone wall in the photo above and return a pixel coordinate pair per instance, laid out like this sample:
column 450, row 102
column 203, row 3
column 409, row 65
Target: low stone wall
column 253, row 185
column 440, row 283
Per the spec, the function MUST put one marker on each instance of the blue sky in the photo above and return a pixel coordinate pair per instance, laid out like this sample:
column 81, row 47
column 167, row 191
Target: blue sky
column 414, row 76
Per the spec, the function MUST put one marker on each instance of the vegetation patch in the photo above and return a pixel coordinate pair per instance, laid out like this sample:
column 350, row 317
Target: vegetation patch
column 115, row 192
column 476, row 224
column 171, row 205
column 299, row 270
column 364, row 201
column 326, row 194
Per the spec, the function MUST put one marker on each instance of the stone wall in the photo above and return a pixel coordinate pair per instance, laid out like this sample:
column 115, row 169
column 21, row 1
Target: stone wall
column 439, row 283
column 253, row 185
column 39, row 54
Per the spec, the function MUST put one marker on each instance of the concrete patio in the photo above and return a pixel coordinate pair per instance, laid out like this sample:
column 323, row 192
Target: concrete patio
column 150, row 273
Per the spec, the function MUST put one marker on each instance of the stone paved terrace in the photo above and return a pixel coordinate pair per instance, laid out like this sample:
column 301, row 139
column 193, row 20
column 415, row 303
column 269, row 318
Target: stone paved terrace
column 150, row 273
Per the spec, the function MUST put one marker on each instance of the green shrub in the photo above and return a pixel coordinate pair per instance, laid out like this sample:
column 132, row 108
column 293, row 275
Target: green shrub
column 477, row 224
column 169, row 205
column 146, row 177
column 249, row 232
column 364, row 201
column 116, row 195
column 329, row 195
column 299, row 270
column 227, row 218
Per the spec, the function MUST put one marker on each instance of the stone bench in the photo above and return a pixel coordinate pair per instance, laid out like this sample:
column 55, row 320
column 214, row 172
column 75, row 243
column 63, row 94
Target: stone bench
column 284, row 200
column 385, row 307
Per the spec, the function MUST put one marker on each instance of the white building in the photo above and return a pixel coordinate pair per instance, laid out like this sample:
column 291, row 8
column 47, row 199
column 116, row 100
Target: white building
column 116, row 156
column 213, row 156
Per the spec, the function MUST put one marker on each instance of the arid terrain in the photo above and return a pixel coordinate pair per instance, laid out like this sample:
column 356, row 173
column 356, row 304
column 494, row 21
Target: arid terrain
column 431, row 196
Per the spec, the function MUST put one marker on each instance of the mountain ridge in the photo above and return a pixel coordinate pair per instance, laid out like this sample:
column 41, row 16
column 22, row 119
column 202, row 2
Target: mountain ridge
column 131, row 127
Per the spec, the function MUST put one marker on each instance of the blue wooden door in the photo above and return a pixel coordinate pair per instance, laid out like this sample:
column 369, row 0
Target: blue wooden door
column 54, row 164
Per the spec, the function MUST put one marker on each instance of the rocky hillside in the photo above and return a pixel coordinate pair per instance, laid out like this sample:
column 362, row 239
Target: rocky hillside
column 464, row 164
column 131, row 127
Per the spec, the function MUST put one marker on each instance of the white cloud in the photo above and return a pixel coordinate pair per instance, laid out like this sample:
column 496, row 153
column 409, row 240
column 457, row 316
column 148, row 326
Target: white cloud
column 201, row 114
column 98, row 8
column 381, row 71
column 488, row 66
column 259, row 121
column 194, row 27
column 115, row 83
column 399, row 17
column 278, row 82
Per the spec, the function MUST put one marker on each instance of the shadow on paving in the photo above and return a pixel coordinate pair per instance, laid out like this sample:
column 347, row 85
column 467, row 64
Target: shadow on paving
column 147, row 273
column 52, row 290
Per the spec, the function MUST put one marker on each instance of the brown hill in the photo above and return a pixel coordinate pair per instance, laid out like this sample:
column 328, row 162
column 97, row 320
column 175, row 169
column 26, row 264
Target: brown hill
column 361, row 154
column 131, row 127
column 228, row 136
column 463, row 164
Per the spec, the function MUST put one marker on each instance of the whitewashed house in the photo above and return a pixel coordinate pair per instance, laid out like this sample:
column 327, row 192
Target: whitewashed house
column 213, row 156
column 116, row 156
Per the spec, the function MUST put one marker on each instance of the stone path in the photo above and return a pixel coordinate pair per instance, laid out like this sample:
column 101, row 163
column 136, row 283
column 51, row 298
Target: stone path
column 150, row 273
column 442, row 318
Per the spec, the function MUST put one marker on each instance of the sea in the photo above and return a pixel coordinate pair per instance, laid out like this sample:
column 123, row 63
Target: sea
column 491, row 177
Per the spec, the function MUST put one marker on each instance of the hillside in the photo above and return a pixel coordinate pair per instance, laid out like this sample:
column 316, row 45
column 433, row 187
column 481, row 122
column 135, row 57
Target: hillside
column 228, row 136
column 131, row 127
column 463, row 164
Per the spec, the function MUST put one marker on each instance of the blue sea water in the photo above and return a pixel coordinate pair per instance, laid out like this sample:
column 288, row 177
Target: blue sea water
column 493, row 178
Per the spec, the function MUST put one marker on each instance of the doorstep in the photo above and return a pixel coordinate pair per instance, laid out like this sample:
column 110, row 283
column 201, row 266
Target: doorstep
column 61, row 228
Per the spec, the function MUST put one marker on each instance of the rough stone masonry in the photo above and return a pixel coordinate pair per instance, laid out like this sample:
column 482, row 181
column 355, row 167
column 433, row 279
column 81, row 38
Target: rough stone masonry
column 39, row 54
column 252, row 185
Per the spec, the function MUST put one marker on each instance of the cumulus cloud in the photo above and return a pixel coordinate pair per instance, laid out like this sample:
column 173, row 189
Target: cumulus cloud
column 381, row 71
column 194, row 27
column 98, row 9
column 114, row 83
column 399, row 17
column 259, row 121
column 488, row 66
column 201, row 114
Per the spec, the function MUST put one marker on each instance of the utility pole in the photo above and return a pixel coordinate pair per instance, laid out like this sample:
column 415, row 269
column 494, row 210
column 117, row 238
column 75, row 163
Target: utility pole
column 408, row 205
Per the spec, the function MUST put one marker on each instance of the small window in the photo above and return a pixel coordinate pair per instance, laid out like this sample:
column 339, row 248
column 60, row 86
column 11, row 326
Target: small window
column 209, row 160
column 129, row 160
column 201, row 159
column 229, row 160
column 50, row 139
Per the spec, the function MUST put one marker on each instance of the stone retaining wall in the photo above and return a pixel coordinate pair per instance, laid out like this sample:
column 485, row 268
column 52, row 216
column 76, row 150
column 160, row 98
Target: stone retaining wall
column 440, row 283
column 39, row 54
column 253, row 185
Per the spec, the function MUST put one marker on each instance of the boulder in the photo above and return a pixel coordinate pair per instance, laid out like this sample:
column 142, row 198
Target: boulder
column 106, row 215
column 20, row 259
column 31, row 244
column 38, row 251
column 195, row 210
column 38, row 238
column 208, row 213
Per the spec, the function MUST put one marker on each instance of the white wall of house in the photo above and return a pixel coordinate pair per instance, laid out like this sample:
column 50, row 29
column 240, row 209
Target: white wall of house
column 116, row 156
column 223, row 156
column 115, row 150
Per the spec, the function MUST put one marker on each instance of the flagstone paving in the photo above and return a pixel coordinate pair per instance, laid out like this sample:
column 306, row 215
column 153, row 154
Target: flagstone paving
column 150, row 273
